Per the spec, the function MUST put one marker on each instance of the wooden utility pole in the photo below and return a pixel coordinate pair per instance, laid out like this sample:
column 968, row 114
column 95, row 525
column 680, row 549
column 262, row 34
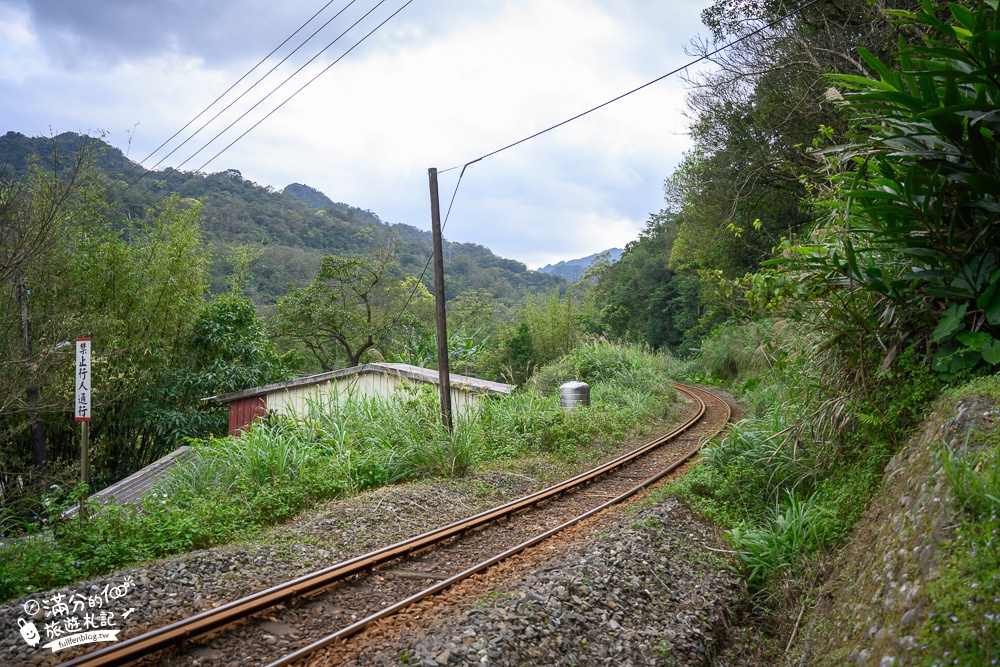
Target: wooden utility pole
column 444, row 378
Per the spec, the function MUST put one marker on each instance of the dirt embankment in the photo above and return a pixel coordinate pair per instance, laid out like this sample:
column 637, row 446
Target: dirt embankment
column 871, row 610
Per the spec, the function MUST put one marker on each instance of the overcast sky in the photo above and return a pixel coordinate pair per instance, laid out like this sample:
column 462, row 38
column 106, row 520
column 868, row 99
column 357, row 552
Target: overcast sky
column 442, row 83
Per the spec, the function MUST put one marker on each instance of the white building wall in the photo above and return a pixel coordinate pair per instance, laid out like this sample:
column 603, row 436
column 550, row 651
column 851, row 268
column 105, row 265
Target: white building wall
column 295, row 401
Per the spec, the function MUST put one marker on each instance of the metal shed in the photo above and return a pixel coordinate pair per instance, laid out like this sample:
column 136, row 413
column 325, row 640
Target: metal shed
column 381, row 379
column 132, row 489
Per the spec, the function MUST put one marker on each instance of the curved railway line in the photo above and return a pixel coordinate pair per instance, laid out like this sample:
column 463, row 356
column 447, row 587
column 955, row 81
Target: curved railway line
column 321, row 609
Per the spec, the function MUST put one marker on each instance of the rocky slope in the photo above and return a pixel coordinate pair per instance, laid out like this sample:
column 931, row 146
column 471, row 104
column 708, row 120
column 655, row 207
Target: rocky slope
column 878, row 607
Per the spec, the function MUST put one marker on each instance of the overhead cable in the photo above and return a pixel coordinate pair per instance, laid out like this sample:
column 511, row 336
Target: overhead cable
column 645, row 85
column 290, row 77
column 228, row 90
column 261, row 79
column 290, row 97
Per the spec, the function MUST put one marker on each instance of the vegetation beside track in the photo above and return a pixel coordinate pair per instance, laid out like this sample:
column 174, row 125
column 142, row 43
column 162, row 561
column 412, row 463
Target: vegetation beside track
column 235, row 487
column 789, row 488
column 854, row 321
column 844, row 277
column 784, row 482
column 964, row 621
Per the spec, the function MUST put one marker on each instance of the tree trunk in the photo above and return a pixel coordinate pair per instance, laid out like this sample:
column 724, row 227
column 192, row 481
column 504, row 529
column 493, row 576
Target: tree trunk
column 31, row 393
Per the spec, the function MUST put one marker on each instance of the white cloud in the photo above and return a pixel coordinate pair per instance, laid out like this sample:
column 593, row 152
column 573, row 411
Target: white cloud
column 443, row 83
column 19, row 51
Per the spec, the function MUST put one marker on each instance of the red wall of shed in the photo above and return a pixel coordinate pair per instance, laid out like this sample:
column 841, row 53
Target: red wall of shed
column 245, row 411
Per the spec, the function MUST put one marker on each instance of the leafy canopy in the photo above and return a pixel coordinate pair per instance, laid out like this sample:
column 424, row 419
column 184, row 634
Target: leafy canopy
column 910, row 231
column 355, row 305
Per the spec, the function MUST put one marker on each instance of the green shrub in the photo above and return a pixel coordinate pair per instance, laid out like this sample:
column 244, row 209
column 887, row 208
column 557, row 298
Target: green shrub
column 803, row 437
column 737, row 351
column 549, row 378
column 796, row 529
column 609, row 363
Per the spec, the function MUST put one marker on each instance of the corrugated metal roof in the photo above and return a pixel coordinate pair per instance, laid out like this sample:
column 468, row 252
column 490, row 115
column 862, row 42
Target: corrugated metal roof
column 463, row 382
column 132, row 489
column 417, row 373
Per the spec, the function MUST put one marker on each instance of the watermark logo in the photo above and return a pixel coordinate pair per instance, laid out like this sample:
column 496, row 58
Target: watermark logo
column 75, row 619
column 29, row 632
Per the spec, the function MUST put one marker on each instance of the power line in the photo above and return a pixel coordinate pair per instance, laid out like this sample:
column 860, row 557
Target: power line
column 290, row 77
column 645, row 85
column 453, row 194
column 290, row 97
column 634, row 90
column 260, row 80
column 231, row 87
column 310, row 81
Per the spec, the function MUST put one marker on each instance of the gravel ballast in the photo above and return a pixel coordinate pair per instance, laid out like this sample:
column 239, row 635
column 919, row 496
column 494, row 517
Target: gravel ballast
column 629, row 587
column 643, row 590
column 170, row 589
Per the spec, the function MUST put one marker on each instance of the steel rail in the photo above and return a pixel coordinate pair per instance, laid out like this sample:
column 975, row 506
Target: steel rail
column 155, row 640
column 434, row 589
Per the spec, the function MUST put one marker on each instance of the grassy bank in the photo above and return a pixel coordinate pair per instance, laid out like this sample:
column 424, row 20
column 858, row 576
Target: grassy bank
column 963, row 626
column 791, row 480
column 235, row 487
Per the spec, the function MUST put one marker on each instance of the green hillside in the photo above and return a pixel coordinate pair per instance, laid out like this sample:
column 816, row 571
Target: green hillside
column 294, row 228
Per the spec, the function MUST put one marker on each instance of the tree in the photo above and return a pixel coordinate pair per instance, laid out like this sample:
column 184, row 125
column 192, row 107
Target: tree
column 131, row 285
column 743, row 187
column 32, row 218
column 907, row 246
column 519, row 353
column 553, row 325
column 476, row 313
column 545, row 329
column 355, row 305
column 226, row 349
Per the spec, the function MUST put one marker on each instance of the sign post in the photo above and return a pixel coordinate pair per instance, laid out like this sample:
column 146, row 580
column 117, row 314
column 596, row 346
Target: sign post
column 82, row 405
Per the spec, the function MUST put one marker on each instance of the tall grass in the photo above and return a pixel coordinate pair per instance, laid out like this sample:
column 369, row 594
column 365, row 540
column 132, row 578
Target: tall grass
column 806, row 445
column 797, row 528
column 771, row 464
column 974, row 478
column 736, row 351
column 365, row 442
column 233, row 487
column 359, row 442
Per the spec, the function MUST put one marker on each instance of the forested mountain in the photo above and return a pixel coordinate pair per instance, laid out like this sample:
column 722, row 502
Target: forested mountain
column 573, row 269
column 294, row 228
column 17, row 151
column 194, row 284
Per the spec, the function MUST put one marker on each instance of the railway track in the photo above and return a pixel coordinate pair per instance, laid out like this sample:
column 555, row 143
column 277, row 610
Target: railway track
column 321, row 609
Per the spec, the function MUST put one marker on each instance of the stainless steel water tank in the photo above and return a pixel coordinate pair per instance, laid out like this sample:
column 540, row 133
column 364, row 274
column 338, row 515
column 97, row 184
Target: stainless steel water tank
column 573, row 394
